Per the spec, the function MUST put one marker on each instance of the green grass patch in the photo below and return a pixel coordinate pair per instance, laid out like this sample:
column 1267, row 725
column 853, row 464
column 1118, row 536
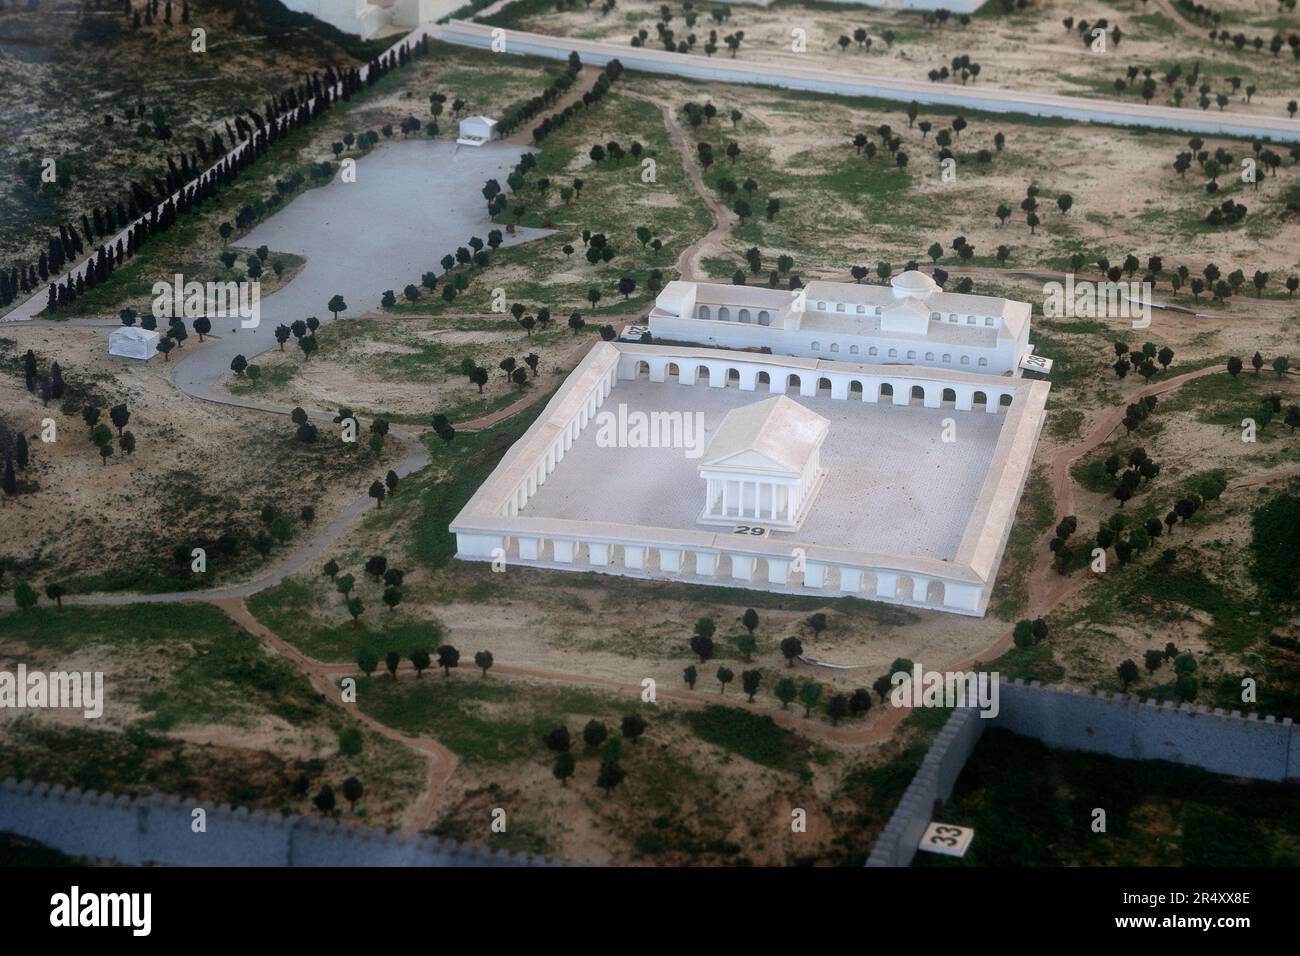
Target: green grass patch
column 455, row 473
column 755, row 737
column 1160, row 595
column 488, row 720
column 1037, row 513
column 218, row 672
column 290, row 609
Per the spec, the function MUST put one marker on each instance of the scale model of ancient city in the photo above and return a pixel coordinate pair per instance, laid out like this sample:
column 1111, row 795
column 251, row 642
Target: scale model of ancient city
column 543, row 432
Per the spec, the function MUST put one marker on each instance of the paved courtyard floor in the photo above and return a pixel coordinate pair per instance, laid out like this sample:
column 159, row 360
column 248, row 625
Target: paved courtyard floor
column 892, row 484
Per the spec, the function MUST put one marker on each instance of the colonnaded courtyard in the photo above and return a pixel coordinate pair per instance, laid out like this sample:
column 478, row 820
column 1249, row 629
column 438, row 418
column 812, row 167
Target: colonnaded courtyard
column 893, row 484
column 912, row 503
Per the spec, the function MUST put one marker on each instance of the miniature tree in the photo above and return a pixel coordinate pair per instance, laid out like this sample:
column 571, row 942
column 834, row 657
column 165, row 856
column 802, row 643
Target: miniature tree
column 809, row 695
column 791, row 648
column 725, row 676
column 563, row 767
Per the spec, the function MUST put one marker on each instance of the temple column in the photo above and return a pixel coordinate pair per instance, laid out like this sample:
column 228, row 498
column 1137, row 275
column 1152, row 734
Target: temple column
column 778, row 570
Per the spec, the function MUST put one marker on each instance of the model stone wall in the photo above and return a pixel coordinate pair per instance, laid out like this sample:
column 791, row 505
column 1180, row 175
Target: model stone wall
column 897, row 843
column 1229, row 743
column 1259, row 748
column 138, row 831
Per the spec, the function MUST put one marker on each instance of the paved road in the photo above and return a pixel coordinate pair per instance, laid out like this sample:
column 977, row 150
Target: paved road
column 978, row 96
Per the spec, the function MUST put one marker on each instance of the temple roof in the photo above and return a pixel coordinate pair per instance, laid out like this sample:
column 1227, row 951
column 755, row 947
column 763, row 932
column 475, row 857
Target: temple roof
column 776, row 434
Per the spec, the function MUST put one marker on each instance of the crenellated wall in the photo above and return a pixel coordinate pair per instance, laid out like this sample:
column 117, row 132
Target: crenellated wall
column 158, row 830
column 953, row 746
column 1262, row 748
column 1237, row 745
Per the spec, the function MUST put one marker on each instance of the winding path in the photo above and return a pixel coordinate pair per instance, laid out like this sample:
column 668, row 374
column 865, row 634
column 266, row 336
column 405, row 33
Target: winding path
column 687, row 264
column 441, row 761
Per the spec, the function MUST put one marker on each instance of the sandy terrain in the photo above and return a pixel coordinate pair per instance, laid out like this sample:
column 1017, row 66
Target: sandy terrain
column 1126, row 196
column 183, row 481
column 367, row 365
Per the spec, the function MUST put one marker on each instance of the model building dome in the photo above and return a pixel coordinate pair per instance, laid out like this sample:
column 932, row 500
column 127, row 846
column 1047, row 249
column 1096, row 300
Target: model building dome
column 913, row 284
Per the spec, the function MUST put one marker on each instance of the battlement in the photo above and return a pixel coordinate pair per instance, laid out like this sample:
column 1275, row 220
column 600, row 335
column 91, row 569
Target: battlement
column 1125, row 699
column 162, row 829
column 1119, row 725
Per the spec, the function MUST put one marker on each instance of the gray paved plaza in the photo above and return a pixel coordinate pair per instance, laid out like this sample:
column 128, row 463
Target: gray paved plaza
column 892, row 484
column 413, row 202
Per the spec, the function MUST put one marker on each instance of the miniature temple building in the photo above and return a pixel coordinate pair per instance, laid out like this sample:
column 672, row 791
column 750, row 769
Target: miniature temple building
column 763, row 464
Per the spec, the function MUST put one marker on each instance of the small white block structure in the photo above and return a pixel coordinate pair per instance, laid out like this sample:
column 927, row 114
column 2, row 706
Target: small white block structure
column 130, row 341
column 763, row 463
column 477, row 130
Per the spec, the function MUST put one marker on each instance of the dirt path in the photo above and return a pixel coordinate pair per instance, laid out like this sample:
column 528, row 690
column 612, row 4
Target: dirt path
column 531, row 397
column 1167, row 8
column 290, row 563
column 723, row 218
column 1045, row 588
column 714, row 242
column 1046, row 591
column 287, row 564
column 590, row 74
column 441, row 762
column 324, row 674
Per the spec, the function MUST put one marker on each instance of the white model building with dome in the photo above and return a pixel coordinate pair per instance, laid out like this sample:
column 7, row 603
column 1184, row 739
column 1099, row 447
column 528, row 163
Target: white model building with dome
column 911, row 321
